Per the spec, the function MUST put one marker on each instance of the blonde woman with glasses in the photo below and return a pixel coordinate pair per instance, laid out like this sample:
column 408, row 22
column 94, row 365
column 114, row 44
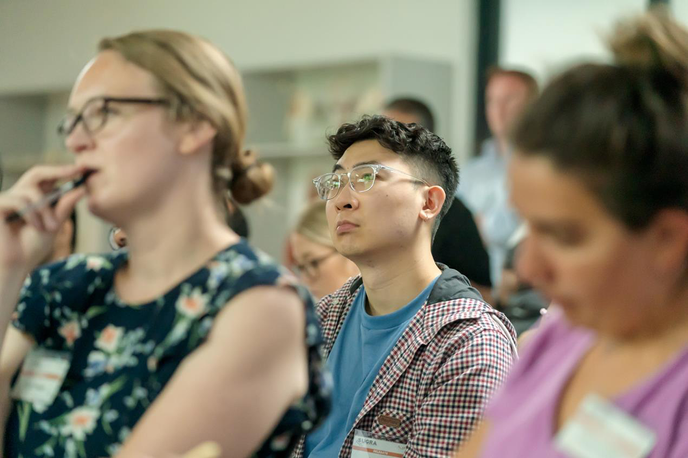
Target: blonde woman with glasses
column 189, row 335
column 317, row 261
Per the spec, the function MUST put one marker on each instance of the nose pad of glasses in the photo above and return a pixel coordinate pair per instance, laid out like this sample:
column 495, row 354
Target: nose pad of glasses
column 344, row 185
column 332, row 188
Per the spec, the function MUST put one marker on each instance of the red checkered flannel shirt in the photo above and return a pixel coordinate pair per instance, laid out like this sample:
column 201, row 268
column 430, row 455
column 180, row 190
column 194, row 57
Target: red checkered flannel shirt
column 432, row 388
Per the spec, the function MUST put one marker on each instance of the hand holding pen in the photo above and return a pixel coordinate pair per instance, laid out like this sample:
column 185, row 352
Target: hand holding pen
column 49, row 199
column 34, row 209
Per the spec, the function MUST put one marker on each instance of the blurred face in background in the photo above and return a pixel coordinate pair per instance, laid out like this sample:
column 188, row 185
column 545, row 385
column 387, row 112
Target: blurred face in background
column 321, row 268
column 506, row 96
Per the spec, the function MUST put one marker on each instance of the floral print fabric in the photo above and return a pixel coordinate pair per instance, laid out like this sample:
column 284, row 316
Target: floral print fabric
column 122, row 355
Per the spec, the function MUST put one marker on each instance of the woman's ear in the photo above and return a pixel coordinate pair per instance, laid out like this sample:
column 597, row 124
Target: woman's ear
column 195, row 136
column 434, row 200
column 669, row 232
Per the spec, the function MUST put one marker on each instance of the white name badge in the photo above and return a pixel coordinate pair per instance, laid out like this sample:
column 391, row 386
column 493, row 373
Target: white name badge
column 366, row 445
column 41, row 376
column 599, row 429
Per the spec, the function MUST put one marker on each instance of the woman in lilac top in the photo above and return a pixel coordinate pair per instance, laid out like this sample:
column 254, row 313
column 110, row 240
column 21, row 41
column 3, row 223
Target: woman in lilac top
column 601, row 176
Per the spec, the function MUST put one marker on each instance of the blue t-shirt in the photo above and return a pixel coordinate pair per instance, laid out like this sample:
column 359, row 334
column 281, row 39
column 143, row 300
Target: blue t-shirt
column 361, row 348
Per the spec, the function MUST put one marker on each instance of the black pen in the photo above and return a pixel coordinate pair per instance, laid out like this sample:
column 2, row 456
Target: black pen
column 50, row 198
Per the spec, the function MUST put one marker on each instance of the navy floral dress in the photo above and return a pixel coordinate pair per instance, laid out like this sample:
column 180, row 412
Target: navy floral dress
column 122, row 356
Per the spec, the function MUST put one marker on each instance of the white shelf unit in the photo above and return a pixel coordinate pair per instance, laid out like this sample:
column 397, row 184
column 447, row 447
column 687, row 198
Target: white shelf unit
column 291, row 108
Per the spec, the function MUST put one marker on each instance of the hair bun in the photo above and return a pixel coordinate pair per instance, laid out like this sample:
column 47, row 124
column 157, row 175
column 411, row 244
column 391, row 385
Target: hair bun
column 653, row 41
column 252, row 178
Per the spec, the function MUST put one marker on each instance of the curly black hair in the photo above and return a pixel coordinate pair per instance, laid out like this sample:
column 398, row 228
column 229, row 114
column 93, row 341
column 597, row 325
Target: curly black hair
column 422, row 149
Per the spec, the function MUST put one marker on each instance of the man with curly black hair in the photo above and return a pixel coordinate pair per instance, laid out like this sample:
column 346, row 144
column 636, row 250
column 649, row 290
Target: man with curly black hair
column 414, row 350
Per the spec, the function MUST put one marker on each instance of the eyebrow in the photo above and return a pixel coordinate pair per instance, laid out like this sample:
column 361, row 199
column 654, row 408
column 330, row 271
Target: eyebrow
column 551, row 227
column 338, row 166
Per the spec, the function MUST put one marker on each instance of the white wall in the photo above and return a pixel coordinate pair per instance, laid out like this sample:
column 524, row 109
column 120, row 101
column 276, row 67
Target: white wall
column 15, row 114
column 44, row 44
column 546, row 35
column 680, row 10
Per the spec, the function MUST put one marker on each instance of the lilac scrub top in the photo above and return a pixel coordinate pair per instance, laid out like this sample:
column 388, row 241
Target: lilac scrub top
column 522, row 414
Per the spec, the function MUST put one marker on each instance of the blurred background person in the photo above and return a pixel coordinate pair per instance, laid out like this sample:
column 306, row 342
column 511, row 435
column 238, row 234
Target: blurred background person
column 457, row 242
column 517, row 299
column 410, row 110
column 599, row 175
column 317, row 261
column 483, row 185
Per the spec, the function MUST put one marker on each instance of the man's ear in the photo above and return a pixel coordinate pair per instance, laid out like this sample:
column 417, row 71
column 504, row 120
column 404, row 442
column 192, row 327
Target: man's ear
column 434, row 200
column 195, row 136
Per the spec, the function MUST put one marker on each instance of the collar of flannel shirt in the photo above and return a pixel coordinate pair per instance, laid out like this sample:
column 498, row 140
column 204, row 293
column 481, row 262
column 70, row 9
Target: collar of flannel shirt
column 443, row 305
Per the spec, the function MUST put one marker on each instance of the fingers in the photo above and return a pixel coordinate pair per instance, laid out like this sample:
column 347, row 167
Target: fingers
column 20, row 199
column 45, row 176
column 66, row 204
column 42, row 218
column 33, row 186
column 10, row 203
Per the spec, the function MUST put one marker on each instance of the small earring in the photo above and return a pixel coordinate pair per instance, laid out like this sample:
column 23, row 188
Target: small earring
column 117, row 238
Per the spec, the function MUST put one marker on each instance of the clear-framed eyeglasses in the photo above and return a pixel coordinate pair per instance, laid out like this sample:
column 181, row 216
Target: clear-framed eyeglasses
column 94, row 114
column 361, row 179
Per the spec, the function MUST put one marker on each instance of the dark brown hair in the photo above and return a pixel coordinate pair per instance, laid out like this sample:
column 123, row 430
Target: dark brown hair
column 622, row 128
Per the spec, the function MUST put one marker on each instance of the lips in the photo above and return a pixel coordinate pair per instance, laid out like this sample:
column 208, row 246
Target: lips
column 345, row 226
column 89, row 172
column 90, row 177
